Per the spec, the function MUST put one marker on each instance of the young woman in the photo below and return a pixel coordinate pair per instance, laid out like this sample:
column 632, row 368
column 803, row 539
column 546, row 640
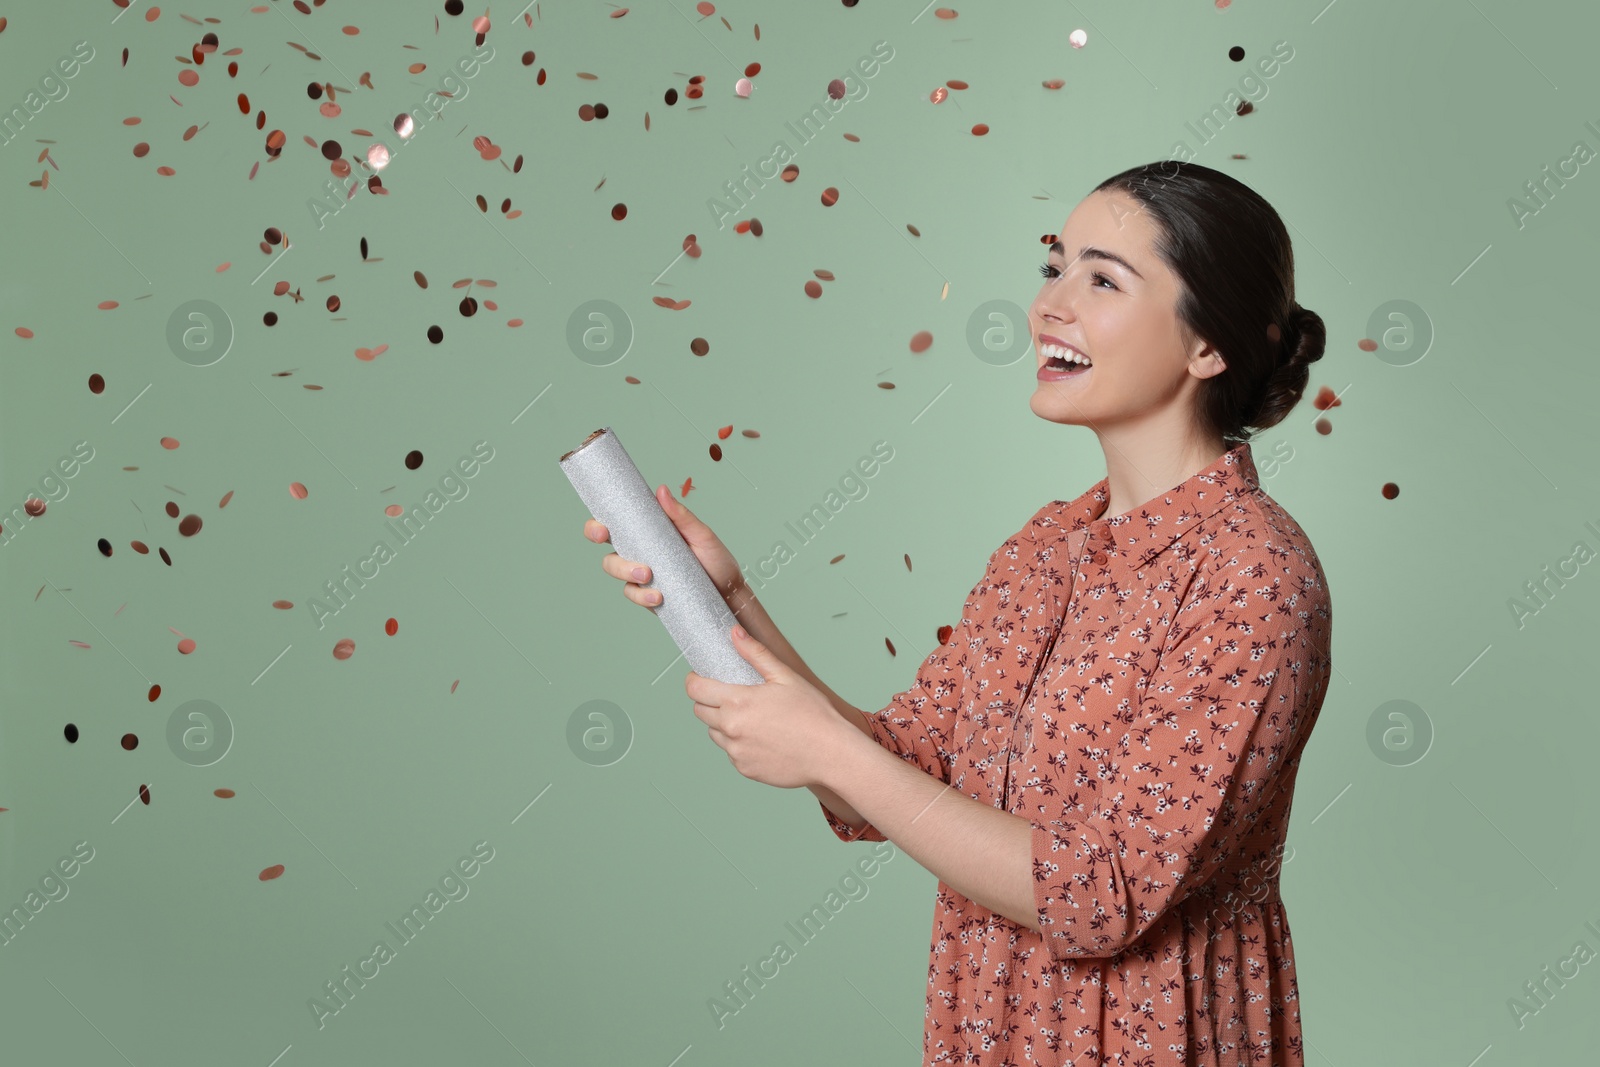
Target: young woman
column 1099, row 762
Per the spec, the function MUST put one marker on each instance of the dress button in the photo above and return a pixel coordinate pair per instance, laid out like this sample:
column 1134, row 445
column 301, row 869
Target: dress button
column 1100, row 557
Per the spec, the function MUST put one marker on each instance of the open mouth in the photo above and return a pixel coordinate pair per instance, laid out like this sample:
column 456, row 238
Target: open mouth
column 1058, row 360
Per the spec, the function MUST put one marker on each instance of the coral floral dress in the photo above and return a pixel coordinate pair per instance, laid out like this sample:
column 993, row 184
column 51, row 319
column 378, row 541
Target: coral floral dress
column 1140, row 689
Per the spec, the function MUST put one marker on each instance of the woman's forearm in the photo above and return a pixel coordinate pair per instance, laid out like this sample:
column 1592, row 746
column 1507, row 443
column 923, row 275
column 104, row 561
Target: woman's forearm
column 754, row 618
column 981, row 852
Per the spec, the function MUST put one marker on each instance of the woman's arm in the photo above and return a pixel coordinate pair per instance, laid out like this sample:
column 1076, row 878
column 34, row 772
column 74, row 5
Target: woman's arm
column 981, row 852
column 754, row 618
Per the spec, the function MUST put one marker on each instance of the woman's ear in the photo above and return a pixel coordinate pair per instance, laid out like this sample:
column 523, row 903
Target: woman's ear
column 1208, row 364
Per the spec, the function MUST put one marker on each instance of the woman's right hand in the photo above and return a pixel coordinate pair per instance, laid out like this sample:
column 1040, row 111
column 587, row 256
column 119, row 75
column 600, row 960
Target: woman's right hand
column 708, row 548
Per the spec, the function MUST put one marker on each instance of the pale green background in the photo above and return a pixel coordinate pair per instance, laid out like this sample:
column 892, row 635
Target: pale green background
column 1421, row 897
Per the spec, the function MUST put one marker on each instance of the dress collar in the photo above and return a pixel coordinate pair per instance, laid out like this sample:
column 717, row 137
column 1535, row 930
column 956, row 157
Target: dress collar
column 1150, row 527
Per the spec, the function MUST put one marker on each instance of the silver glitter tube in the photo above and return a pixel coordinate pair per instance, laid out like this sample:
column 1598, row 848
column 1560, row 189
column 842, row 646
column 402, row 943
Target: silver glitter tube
column 692, row 610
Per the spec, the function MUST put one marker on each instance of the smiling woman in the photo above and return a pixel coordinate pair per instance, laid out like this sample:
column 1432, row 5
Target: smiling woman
column 1098, row 762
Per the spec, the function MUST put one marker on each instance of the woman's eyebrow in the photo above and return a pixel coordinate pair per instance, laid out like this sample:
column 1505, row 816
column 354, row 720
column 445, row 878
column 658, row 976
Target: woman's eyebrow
column 1091, row 252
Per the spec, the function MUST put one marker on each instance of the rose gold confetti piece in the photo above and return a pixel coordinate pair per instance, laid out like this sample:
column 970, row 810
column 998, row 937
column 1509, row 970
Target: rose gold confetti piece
column 344, row 648
column 225, row 498
column 668, row 302
column 155, row 693
column 283, row 605
column 914, row 231
column 454, row 684
column 417, row 68
column 1323, row 426
column 269, row 873
column 165, row 172
column 169, row 442
column 422, row 282
column 144, row 794
column 141, row 548
column 34, row 506
column 1326, row 398
column 1054, row 83
column 24, row 333
column 957, row 84
column 391, row 627
column 885, row 385
column 186, row 646
column 813, row 289
column 938, row 95
column 921, row 340
column 394, row 510
column 890, row 644
column 1367, row 344
column 225, row 794
column 79, row 644
column 830, row 196
column 619, row 12
column 480, row 24
column 980, row 129
column 189, row 526
column 188, row 78
column 742, row 87
column 705, row 8
column 350, row 30
column 297, row 490
column 908, row 561
column 825, row 275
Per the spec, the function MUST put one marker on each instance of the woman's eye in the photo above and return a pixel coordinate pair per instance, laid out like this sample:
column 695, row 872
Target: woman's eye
column 1051, row 271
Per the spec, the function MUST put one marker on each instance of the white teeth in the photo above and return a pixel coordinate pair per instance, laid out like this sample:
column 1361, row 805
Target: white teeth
column 1057, row 352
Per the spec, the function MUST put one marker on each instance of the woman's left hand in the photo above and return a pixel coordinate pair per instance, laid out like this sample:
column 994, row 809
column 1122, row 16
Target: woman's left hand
column 782, row 733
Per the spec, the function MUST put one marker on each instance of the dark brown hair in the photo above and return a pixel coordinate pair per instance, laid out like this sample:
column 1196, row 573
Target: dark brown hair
column 1233, row 258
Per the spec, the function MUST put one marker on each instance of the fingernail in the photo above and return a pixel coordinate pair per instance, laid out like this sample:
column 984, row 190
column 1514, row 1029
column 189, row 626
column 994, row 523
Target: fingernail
column 639, row 573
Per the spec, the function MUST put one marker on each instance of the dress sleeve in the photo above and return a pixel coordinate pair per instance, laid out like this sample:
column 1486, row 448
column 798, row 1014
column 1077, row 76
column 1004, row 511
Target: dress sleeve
column 919, row 724
column 1234, row 694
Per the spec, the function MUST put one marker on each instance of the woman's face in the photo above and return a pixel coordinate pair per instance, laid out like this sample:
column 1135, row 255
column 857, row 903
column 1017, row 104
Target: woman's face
column 1122, row 316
